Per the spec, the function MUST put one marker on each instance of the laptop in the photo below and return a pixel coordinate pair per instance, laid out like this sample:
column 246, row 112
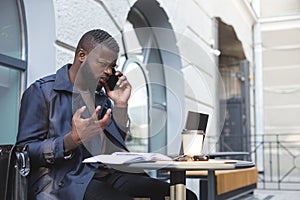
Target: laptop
column 196, row 121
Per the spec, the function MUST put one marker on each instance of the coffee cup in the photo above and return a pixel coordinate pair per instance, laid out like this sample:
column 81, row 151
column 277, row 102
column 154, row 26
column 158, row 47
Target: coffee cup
column 192, row 142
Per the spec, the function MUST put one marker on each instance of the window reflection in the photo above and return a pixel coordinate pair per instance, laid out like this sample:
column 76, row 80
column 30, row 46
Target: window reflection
column 10, row 29
column 12, row 53
column 138, row 108
column 9, row 101
column 141, row 61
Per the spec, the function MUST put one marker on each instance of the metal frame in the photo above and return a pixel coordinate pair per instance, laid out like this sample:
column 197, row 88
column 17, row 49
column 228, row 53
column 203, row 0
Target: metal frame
column 274, row 152
column 13, row 63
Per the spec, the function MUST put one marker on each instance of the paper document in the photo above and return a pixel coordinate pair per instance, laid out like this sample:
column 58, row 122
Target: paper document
column 126, row 157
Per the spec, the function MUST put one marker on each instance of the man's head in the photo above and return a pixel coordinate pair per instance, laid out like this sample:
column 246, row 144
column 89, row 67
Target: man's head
column 96, row 37
column 96, row 55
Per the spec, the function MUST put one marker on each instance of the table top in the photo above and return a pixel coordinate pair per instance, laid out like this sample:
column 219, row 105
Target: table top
column 211, row 164
column 232, row 153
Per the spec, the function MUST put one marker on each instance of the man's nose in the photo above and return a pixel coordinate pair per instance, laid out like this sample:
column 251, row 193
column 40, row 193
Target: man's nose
column 108, row 70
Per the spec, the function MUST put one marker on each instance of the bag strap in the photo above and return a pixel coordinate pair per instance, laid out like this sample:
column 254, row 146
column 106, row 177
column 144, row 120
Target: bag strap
column 23, row 162
column 8, row 176
column 5, row 152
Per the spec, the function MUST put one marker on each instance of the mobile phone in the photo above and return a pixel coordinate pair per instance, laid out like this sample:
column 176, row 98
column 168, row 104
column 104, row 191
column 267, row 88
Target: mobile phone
column 112, row 80
column 102, row 112
column 103, row 102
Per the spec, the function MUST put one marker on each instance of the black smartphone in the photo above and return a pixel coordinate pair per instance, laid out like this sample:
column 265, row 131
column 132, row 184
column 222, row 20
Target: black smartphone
column 102, row 112
column 112, row 80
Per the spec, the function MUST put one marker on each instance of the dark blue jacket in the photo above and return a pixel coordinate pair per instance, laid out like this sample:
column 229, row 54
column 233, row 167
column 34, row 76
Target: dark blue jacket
column 46, row 114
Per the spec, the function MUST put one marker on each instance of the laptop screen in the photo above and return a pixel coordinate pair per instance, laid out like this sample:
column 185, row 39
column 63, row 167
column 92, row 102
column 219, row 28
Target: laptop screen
column 196, row 121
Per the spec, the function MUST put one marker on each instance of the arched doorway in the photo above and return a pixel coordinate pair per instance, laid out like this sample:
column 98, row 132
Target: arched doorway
column 234, row 69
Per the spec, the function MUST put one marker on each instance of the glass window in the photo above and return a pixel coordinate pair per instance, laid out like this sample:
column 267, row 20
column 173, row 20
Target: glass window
column 12, row 67
column 132, row 60
column 138, row 106
column 10, row 29
column 9, row 102
column 141, row 61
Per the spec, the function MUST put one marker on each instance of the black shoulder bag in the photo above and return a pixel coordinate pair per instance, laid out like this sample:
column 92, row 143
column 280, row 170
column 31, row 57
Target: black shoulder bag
column 14, row 167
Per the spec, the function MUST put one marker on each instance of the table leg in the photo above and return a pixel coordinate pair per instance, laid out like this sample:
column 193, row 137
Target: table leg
column 211, row 185
column 177, row 185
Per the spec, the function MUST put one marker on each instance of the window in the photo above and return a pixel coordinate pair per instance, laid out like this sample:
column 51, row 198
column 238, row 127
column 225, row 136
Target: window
column 150, row 55
column 142, row 65
column 12, row 66
column 138, row 106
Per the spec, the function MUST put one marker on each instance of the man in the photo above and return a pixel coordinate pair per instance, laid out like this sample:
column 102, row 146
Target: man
column 59, row 140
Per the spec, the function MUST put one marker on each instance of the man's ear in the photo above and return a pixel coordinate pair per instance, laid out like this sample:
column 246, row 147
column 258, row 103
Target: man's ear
column 82, row 55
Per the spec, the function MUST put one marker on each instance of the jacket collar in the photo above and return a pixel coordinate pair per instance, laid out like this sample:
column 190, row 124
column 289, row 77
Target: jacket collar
column 62, row 80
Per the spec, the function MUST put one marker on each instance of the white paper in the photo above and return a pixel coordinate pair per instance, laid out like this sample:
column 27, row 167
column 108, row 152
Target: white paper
column 126, row 157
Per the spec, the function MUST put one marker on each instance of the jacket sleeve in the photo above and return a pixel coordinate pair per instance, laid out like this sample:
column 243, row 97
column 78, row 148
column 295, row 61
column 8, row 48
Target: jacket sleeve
column 34, row 126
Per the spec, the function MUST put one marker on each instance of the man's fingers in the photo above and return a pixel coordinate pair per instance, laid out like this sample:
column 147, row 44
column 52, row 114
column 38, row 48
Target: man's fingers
column 107, row 115
column 118, row 73
column 105, row 119
column 79, row 112
column 96, row 112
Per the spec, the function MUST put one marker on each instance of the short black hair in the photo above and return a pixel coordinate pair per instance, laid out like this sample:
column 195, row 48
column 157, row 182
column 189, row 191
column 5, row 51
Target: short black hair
column 93, row 38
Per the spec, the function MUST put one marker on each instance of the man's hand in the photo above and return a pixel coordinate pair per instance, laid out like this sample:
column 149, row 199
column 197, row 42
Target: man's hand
column 85, row 129
column 121, row 92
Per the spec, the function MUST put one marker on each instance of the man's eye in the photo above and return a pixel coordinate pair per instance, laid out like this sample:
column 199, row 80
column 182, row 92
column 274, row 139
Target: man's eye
column 103, row 64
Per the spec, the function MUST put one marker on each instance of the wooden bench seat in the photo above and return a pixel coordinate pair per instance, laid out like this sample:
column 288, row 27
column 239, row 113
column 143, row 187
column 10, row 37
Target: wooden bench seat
column 229, row 183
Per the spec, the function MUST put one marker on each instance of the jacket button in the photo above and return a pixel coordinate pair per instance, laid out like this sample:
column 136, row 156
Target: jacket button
column 61, row 184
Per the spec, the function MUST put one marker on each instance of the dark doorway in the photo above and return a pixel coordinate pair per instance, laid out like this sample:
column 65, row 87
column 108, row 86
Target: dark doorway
column 234, row 69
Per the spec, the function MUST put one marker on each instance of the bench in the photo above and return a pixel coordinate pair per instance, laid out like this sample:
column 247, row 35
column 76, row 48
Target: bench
column 229, row 184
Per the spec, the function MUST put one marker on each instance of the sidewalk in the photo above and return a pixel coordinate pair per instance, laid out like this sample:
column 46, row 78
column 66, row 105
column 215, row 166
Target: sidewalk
column 260, row 194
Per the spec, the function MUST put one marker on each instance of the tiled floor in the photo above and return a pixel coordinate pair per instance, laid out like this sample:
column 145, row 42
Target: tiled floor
column 273, row 195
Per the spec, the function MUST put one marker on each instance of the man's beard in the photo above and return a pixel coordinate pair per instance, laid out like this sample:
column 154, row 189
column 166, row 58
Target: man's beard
column 89, row 79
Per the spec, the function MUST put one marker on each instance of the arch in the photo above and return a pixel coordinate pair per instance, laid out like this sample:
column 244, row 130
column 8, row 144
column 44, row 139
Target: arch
column 149, row 20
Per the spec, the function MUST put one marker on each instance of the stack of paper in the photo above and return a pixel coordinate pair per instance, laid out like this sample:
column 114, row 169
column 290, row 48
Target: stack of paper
column 126, row 157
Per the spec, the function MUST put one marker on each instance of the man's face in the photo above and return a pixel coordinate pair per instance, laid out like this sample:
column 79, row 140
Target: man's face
column 98, row 66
